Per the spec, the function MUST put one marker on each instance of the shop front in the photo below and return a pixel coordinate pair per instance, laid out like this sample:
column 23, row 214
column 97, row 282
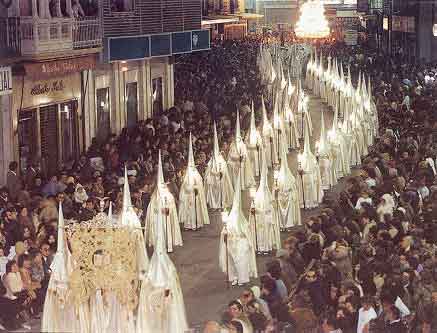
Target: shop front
column 48, row 117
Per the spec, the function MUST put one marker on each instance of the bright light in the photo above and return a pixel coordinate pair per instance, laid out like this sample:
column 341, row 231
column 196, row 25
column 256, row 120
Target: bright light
column 312, row 22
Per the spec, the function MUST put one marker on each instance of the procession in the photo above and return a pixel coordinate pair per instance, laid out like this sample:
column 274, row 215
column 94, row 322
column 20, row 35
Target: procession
column 292, row 187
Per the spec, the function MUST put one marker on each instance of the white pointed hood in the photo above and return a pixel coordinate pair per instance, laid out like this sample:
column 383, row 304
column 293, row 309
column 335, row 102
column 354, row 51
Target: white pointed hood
column 290, row 88
column 276, row 116
column 341, row 72
column 283, row 80
column 263, row 182
column 273, row 72
column 191, row 163
column 160, row 177
column 349, row 79
column 127, row 202
column 284, row 170
column 369, row 87
column 59, row 266
column 323, row 142
column 253, row 137
column 161, row 267
column 128, row 215
column 307, row 146
column 216, row 146
column 321, row 62
column 237, row 128
column 266, row 123
column 162, row 273
column 110, row 212
column 236, row 216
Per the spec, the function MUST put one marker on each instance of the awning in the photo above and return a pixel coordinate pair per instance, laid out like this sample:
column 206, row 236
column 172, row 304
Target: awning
column 250, row 16
column 211, row 21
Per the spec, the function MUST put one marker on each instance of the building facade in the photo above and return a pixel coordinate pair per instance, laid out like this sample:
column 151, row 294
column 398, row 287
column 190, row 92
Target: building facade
column 82, row 72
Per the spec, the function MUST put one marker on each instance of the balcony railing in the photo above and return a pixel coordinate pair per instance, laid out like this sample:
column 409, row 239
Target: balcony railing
column 31, row 36
column 87, row 33
column 40, row 36
column 10, row 36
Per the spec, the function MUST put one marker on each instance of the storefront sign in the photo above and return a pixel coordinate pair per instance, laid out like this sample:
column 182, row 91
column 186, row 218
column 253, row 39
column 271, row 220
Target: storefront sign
column 60, row 67
column 45, row 91
column 47, row 88
column 158, row 45
column 5, row 81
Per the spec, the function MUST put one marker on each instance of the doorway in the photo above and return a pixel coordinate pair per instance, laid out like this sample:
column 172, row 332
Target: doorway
column 49, row 134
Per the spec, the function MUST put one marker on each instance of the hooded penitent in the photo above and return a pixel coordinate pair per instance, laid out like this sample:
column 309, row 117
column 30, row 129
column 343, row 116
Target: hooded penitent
column 161, row 305
column 339, row 148
column 163, row 198
column 254, row 145
column 218, row 185
column 58, row 314
column 327, row 171
column 238, row 161
column 193, row 211
column 236, row 246
column 312, row 183
column 267, row 136
column 289, row 195
column 129, row 218
column 290, row 117
column 278, row 123
column 263, row 219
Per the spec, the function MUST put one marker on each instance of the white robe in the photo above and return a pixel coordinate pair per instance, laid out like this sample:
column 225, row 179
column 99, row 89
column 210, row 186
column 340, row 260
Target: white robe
column 218, row 185
column 193, row 211
column 58, row 313
column 340, row 155
column 312, row 182
column 266, row 233
column 269, row 146
column 173, row 231
column 240, row 252
column 160, row 313
column 238, row 160
column 292, row 134
column 328, row 173
column 254, row 149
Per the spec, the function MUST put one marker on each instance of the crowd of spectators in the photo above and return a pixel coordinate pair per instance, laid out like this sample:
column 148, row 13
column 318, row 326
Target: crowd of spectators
column 366, row 261
column 349, row 264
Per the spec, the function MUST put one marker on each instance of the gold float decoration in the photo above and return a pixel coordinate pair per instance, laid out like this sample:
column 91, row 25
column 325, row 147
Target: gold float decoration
column 104, row 258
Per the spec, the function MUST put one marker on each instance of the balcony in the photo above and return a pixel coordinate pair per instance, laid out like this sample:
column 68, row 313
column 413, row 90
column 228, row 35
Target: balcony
column 10, row 45
column 34, row 36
